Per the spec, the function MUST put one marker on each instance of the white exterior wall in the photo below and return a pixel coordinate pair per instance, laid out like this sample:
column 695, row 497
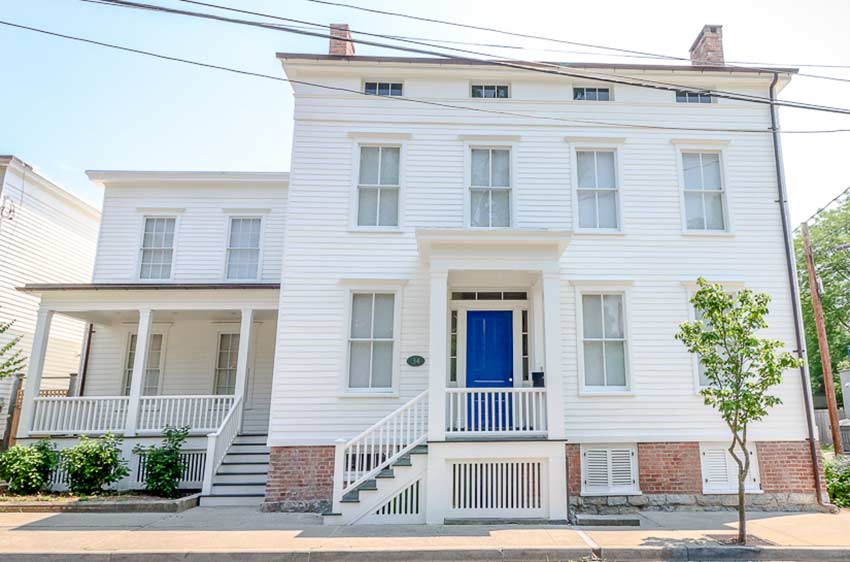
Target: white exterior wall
column 308, row 405
column 51, row 238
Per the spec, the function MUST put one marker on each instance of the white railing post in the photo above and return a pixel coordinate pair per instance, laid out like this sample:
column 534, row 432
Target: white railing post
column 339, row 472
column 32, row 384
column 219, row 442
column 209, row 465
column 245, row 335
column 137, row 378
column 553, row 373
column 437, row 359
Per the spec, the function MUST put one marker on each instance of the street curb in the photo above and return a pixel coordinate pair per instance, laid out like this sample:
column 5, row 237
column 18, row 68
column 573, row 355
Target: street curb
column 151, row 506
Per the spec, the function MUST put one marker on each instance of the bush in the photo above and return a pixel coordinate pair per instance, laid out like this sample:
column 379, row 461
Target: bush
column 838, row 481
column 94, row 463
column 163, row 466
column 27, row 469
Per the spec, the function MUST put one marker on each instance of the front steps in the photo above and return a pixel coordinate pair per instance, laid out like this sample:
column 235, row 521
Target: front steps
column 241, row 478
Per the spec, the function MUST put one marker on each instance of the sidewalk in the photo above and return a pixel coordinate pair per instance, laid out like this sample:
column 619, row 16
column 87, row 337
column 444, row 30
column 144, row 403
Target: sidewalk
column 242, row 534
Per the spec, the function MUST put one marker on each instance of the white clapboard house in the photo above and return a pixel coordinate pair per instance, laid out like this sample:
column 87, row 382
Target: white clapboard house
column 445, row 313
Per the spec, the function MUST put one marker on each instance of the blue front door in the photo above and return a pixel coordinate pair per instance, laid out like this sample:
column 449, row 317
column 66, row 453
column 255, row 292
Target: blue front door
column 489, row 364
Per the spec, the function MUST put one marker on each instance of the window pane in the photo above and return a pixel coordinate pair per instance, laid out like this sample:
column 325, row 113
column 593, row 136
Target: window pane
column 586, row 208
column 478, row 91
column 593, row 366
column 383, row 89
column 501, row 168
column 481, row 168
column 603, row 94
column 384, row 309
column 605, row 173
column 369, row 165
column 613, row 306
column 489, row 91
column 382, row 364
column 501, row 91
column 395, row 89
column 480, row 211
column 615, row 363
column 691, row 171
column 703, row 378
column 592, row 315
column 367, row 210
column 713, row 211
column 578, row 93
column 358, row 371
column 361, row 316
column 389, row 207
column 501, row 208
column 586, row 165
column 607, row 209
column 693, row 211
column 371, row 88
column 711, row 171
column 389, row 165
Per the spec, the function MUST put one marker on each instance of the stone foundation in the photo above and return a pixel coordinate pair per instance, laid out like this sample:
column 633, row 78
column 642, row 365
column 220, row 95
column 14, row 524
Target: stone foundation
column 300, row 479
column 606, row 505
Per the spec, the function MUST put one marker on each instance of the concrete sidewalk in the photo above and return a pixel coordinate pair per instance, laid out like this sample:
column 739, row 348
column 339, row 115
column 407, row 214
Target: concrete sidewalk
column 245, row 534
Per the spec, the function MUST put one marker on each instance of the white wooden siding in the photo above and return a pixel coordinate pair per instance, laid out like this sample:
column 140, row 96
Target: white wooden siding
column 652, row 252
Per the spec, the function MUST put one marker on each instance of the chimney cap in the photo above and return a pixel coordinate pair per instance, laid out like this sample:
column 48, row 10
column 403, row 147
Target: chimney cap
column 707, row 28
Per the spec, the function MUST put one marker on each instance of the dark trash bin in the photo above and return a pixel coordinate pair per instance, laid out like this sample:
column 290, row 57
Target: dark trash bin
column 537, row 379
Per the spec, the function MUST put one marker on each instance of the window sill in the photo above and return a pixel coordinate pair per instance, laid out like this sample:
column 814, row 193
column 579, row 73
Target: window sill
column 597, row 232
column 593, row 393
column 612, row 493
column 375, row 229
column 709, row 233
column 732, row 493
column 374, row 394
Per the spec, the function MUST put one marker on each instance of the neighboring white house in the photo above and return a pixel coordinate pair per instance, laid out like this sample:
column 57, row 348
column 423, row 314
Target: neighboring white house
column 46, row 235
column 474, row 312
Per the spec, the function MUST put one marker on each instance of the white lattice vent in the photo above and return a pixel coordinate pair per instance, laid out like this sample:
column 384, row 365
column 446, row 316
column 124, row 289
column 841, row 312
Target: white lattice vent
column 406, row 502
column 489, row 488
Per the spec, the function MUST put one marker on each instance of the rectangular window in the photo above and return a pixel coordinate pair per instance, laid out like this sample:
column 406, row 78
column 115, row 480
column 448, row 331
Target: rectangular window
column 597, row 189
column 490, row 189
column 693, row 97
column 526, row 374
column 720, row 471
column 243, row 248
column 490, row 91
column 704, row 193
column 604, row 341
column 609, row 470
column 225, row 366
column 703, row 379
column 157, row 248
column 371, row 341
column 382, row 88
column 453, row 350
column 592, row 94
column 378, row 186
column 150, row 387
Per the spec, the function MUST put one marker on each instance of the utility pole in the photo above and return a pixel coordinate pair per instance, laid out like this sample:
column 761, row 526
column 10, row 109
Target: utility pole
column 823, row 345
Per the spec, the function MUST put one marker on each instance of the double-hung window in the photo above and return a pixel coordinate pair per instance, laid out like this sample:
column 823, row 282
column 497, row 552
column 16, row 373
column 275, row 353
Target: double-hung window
column 490, row 187
column 157, row 252
column 604, row 342
column 225, row 366
column 243, row 248
column 371, row 343
column 704, row 192
column 597, row 189
column 378, row 186
column 150, row 386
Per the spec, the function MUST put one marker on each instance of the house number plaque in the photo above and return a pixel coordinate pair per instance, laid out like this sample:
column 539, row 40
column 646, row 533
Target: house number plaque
column 415, row 360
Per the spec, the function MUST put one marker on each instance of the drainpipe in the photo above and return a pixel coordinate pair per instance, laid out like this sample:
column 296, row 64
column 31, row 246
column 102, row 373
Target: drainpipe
column 792, row 283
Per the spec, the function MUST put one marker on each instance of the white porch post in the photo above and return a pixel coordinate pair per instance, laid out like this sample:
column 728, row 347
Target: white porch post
column 552, row 335
column 437, row 356
column 34, row 371
column 137, row 378
column 245, row 333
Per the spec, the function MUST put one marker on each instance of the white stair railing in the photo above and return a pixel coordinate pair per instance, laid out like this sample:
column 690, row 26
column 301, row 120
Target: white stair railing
column 220, row 441
column 373, row 450
column 199, row 413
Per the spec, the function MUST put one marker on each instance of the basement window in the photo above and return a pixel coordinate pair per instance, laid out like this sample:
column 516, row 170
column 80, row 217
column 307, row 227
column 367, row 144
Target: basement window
column 720, row 471
column 609, row 470
column 383, row 88
column 500, row 91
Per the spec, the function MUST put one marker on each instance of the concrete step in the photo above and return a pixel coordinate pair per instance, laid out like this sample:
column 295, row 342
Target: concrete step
column 232, row 500
column 245, row 448
column 238, row 489
column 241, row 478
column 242, row 468
column 625, row 520
column 251, row 439
column 253, row 458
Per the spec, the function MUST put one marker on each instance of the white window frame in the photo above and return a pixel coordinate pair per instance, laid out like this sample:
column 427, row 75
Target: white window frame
column 512, row 198
column 378, row 141
column 753, row 484
column 633, row 490
column 218, row 335
column 357, row 287
column 378, row 83
column 609, row 288
column 485, row 83
column 615, row 146
column 713, row 98
column 586, row 86
column 156, row 330
column 252, row 216
column 717, row 147
column 141, row 240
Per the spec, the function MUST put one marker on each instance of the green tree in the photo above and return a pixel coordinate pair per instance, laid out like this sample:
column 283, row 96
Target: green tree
column 740, row 366
column 11, row 358
column 830, row 233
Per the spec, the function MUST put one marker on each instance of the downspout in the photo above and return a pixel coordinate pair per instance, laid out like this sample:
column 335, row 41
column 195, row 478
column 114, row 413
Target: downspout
column 792, row 283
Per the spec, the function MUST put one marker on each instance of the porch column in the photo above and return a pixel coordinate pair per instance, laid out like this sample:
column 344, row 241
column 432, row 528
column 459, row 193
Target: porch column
column 137, row 378
column 246, row 328
column 437, row 356
column 34, row 371
column 552, row 338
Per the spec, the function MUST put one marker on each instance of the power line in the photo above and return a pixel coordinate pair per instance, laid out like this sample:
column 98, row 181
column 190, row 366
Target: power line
column 536, row 66
column 822, row 209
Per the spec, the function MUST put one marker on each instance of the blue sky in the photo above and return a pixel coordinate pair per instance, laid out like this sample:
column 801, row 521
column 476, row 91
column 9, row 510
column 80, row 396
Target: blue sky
column 69, row 107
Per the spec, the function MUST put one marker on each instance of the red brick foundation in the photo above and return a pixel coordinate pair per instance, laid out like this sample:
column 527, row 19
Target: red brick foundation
column 669, row 468
column 573, row 469
column 300, row 479
column 786, row 467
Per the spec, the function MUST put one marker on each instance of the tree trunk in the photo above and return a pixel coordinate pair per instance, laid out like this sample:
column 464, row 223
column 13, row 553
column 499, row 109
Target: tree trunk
column 742, row 510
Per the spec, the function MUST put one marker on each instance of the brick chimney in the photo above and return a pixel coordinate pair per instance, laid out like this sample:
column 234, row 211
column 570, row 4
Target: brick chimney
column 707, row 49
column 338, row 45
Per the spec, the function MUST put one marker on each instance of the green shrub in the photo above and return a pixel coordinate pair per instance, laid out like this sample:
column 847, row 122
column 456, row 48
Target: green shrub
column 838, row 481
column 94, row 463
column 163, row 466
column 27, row 468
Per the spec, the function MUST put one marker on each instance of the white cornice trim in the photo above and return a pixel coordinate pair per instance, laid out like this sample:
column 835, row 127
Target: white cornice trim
column 32, row 174
column 489, row 138
column 378, row 135
column 595, row 140
column 701, row 142
column 103, row 177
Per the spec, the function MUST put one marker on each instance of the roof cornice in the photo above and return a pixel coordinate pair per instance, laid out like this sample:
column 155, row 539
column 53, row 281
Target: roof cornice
column 31, row 174
column 103, row 177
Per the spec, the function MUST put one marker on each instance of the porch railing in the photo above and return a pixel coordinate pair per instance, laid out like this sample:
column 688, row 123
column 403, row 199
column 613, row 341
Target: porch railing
column 495, row 411
column 82, row 414
column 199, row 413
column 220, row 441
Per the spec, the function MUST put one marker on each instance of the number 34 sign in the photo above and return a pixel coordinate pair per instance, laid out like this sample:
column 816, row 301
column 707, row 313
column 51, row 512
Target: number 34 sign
column 415, row 360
